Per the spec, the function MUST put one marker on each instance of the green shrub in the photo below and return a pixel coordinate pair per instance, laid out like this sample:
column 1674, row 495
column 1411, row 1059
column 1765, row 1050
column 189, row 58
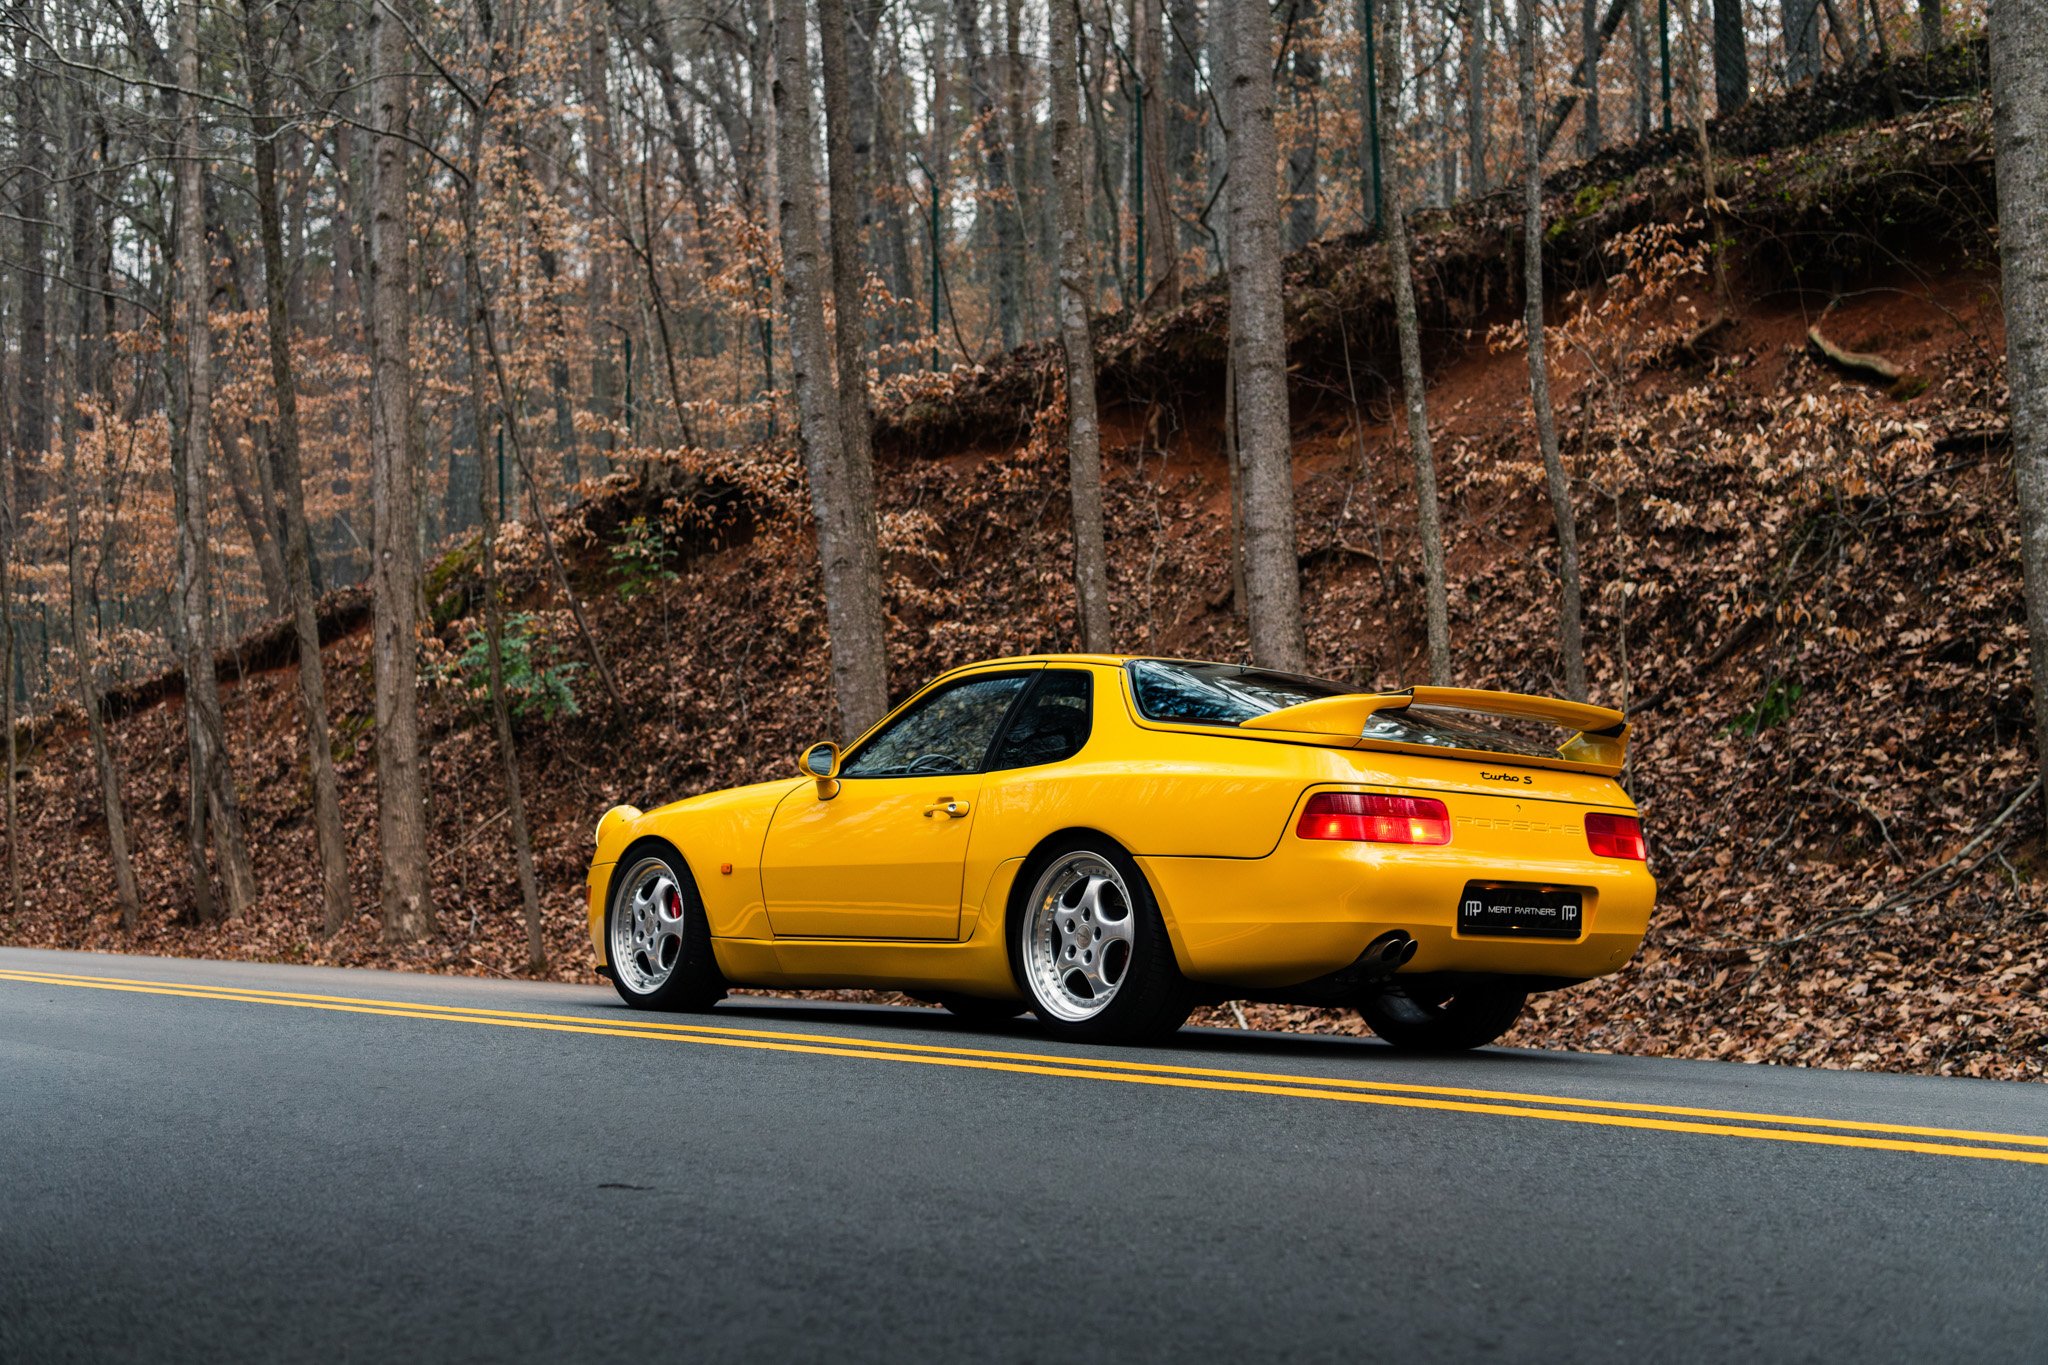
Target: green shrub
column 536, row 684
column 640, row 559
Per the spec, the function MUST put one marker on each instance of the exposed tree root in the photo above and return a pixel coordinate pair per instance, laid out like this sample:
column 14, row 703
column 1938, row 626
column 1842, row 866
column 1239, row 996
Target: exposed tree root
column 1862, row 364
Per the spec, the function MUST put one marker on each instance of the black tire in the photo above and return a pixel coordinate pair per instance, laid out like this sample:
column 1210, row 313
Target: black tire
column 1150, row 999
column 691, row 980
column 1424, row 1015
column 980, row 1009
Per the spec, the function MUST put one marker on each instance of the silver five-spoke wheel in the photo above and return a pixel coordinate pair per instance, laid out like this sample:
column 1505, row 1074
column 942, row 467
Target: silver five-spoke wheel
column 1079, row 932
column 648, row 925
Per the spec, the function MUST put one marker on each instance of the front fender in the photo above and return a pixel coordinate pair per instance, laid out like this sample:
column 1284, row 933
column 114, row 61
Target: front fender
column 719, row 834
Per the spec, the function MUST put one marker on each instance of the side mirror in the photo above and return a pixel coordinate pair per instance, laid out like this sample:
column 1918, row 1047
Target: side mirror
column 821, row 761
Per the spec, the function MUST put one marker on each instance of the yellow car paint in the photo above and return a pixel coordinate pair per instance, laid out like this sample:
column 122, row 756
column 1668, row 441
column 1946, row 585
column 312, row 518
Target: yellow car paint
column 880, row 886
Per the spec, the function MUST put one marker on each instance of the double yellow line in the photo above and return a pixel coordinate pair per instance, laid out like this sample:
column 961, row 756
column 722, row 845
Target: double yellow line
column 1735, row 1123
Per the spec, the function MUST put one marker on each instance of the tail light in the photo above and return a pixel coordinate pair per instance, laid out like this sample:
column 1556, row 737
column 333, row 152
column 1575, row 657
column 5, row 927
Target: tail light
column 1616, row 836
column 1368, row 817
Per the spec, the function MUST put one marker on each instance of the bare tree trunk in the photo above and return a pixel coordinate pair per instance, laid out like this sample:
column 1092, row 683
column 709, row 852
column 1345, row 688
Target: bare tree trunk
column 2019, row 107
column 1930, row 25
column 1239, row 598
column 860, row 578
column 1076, row 290
column 1162, row 238
column 877, row 157
column 1475, row 94
column 1183, row 112
column 1802, row 40
column 83, row 654
column 407, row 895
column 1307, row 74
column 32, row 414
column 600, row 165
column 1570, row 636
column 7, row 682
column 859, row 659
column 1441, row 151
column 212, row 798
column 244, row 490
column 288, row 478
column 997, row 199
column 1589, row 72
column 1221, row 40
column 1731, row 58
column 1017, row 108
column 1258, row 328
column 79, row 179
column 1639, row 68
column 1428, row 525
column 491, row 500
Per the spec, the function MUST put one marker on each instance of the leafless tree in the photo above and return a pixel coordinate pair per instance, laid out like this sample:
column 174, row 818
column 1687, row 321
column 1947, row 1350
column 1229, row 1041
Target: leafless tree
column 998, row 196
column 491, row 494
column 1304, row 76
column 1930, row 25
column 2019, row 106
column 1394, row 219
column 407, row 897
column 1258, row 328
column 1731, row 57
column 212, row 799
column 1076, row 287
column 1589, row 75
column 31, row 210
column 846, row 548
column 287, row 477
column 1156, row 77
column 1476, row 47
column 1570, row 631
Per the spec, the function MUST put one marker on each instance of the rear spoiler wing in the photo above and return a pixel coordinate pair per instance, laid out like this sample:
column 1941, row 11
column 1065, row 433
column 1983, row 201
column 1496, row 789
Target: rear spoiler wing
column 1600, row 746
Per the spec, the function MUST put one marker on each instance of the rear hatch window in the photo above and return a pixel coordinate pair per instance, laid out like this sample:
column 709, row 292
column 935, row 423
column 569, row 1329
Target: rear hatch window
column 1219, row 694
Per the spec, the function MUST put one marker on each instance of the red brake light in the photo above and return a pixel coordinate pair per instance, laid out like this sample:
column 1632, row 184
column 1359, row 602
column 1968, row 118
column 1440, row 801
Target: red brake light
column 1616, row 836
column 1368, row 817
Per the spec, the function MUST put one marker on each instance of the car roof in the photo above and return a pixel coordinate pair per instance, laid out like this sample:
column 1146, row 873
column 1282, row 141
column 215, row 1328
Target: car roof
column 1031, row 660
column 1106, row 660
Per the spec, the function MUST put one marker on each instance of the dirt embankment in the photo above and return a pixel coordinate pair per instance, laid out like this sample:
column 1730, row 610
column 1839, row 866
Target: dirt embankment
column 1803, row 582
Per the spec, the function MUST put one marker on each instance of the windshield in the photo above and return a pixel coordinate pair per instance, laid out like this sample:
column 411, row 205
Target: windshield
column 1219, row 694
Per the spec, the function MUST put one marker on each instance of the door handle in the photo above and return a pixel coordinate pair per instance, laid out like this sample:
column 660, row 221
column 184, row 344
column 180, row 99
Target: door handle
column 951, row 809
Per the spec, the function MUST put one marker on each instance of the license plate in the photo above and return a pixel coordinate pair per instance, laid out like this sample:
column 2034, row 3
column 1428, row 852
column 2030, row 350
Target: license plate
column 1521, row 911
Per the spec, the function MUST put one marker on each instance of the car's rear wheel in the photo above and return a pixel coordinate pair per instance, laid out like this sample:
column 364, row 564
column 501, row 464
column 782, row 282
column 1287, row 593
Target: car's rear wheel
column 1424, row 1014
column 656, row 936
column 1090, row 949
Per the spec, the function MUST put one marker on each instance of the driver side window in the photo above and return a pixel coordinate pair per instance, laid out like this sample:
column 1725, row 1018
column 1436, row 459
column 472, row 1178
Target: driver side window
column 946, row 734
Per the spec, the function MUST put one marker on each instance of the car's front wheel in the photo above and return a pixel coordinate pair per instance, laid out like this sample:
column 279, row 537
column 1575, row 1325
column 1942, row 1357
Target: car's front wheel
column 1423, row 1014
column 1091, row 950
column 656, row 935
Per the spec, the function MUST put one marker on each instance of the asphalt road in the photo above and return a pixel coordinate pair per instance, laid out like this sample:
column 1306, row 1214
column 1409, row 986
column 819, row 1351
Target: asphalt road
column 205, row 1161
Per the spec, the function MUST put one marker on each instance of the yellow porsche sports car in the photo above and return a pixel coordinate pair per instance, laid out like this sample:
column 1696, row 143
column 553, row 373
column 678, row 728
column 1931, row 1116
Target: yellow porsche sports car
column 1110, row 841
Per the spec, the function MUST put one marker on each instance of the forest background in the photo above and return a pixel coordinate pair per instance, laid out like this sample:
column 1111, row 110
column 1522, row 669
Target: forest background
column 612, row 398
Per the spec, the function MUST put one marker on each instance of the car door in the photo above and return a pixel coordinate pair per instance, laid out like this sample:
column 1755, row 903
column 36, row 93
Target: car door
column 881, row 858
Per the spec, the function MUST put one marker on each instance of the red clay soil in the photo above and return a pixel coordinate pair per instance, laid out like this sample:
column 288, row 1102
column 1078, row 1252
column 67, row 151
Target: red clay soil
column 1807, row 589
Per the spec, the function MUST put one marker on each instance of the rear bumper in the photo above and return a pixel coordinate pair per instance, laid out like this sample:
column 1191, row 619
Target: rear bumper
column 1311, row 908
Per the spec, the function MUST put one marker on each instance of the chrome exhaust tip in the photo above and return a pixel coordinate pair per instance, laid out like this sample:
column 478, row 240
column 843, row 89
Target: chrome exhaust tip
column 1389, row 951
